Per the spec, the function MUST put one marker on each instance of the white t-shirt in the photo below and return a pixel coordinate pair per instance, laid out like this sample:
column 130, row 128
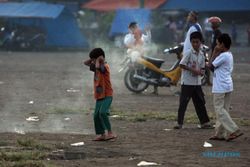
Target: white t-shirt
column 223, row 68
column 130, row 40
column 187, row 44
column 194, row 60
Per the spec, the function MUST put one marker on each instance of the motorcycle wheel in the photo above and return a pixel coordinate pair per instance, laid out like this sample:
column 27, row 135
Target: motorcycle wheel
column 133, row 84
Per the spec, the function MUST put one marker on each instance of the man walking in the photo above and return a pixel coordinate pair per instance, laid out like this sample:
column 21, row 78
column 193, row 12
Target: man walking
column 194, row 26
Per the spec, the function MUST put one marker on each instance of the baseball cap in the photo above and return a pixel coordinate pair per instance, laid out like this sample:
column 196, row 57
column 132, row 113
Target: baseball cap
column 214, row 19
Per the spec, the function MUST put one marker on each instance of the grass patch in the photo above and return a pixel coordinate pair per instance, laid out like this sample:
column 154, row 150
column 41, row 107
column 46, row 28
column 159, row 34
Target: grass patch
column 23, row 164
column 65, row 111
column 242, row 122
column 155, row 115
column 32, row 144
column 190, row 117
column 22, row 156
column 3, row 143
column 31, row 154
column 61, row 146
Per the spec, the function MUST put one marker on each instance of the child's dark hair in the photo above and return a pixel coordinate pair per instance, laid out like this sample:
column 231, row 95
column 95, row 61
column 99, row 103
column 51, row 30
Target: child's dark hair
column 196, row 35
column 225, row 39
column 132, row 25
column 95, row 53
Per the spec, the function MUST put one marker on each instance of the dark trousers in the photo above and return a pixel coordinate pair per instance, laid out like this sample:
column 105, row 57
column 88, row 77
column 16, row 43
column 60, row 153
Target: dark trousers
column 197, row 95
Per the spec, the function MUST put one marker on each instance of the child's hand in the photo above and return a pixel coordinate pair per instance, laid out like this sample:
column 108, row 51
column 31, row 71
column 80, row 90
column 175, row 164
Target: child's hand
column 99, row 61
column 197, row 72
column 217, row 49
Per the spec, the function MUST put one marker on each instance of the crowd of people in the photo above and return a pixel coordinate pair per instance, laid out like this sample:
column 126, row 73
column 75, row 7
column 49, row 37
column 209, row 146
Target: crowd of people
column 193, row 64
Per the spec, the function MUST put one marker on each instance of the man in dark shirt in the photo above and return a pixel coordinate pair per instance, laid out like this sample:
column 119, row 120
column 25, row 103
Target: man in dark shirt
column 215, row 24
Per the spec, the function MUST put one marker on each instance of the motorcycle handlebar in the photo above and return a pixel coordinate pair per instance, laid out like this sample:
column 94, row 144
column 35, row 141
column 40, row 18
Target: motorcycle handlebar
column 179, row 48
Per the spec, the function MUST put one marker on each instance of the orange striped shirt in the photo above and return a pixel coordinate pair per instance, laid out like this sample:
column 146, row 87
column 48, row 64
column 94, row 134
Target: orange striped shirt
column 102, row 83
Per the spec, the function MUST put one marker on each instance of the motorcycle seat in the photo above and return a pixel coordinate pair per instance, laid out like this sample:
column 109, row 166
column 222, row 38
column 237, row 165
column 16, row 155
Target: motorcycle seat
column 175, row 65
column 154, row 60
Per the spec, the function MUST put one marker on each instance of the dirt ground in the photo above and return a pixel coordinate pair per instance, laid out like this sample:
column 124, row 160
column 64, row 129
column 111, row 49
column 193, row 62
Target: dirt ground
column 57, row 89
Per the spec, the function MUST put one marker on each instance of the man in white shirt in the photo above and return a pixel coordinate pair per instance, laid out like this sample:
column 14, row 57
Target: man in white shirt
column 129, row 38
column 137, row 47
column 222, row 65
column 194, row 26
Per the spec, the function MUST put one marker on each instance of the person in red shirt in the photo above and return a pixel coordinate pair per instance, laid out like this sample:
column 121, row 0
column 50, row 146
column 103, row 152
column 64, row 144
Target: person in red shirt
column 103, row 94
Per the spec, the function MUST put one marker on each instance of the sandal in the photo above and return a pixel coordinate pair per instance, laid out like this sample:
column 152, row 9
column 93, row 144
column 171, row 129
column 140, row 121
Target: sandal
column 235, row 135
column 100, row 138
column 216, row 138
column 109, row 137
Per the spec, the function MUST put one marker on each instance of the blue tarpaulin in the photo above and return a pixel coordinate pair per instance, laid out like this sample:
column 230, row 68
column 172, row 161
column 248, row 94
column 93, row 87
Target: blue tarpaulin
column 124, row 16
column 58, row 22
column 30, row 10
column 207, row 5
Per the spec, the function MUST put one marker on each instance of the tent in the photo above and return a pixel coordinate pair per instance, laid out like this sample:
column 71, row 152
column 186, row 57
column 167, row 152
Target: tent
column 112, row 5
column 58, row 22
column 124, row 16
column 207, row 5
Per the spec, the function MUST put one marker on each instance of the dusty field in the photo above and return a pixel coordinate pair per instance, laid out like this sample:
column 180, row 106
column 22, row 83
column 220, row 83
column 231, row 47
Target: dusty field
column 58, row 89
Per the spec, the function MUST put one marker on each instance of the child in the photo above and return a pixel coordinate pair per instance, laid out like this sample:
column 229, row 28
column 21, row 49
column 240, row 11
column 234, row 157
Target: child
column 103, row 94
column 222, row 65
column 193, row 65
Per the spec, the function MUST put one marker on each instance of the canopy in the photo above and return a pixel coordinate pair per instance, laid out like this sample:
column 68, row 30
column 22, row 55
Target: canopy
column 30, row 10
column 124, row 16
column 207, row 5
column 57, row 21
column 112, row 5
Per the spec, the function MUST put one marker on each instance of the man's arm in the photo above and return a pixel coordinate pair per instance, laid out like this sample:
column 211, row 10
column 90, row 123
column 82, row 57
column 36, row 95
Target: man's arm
column 147, row 37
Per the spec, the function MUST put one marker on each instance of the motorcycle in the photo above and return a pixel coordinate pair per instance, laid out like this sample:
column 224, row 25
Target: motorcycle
column 143, row 71
column 22, row 38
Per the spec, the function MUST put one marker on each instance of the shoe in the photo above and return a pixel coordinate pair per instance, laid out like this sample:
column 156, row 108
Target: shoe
column 216, row 138
column 178, row 127
column 206, row 126
column 177, row 93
